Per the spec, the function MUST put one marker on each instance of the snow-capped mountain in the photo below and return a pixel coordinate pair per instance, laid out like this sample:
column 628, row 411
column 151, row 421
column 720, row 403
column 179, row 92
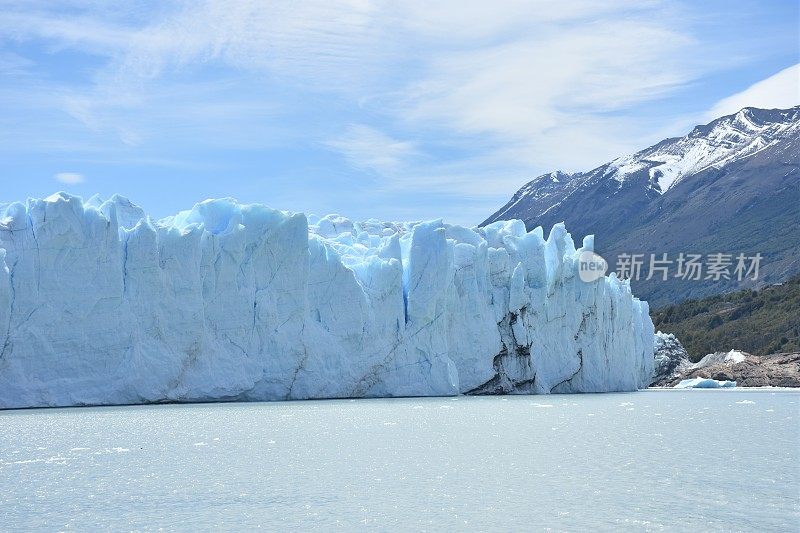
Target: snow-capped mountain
column 723, row 141
column 728, row 186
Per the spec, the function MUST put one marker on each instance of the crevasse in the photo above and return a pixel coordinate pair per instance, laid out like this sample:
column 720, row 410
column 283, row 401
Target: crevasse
column 99, row 304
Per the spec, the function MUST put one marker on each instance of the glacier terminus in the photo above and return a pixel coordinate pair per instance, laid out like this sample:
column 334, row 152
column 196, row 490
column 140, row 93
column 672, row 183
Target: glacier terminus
column 101, row 305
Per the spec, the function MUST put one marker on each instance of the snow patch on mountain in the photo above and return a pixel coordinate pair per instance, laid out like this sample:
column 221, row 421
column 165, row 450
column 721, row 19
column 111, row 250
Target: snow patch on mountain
column 725, row 140
column 731, row 357
column 667, row 163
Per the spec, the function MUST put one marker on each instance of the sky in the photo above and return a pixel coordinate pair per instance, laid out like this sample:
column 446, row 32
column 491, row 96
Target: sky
column 391, row 110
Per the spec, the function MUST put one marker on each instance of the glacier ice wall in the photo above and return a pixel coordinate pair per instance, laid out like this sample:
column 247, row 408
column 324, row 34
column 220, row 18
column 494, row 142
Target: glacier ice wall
column 101, row 305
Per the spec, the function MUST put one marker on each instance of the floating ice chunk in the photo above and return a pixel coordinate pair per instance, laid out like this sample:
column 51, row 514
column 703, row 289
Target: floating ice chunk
column 704, row 383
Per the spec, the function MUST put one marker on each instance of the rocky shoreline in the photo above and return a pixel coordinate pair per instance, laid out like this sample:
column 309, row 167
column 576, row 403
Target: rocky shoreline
column 672, row 365
column 776, row 370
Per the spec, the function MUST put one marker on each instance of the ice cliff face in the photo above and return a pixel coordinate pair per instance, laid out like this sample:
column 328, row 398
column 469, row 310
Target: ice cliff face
column 101, row 305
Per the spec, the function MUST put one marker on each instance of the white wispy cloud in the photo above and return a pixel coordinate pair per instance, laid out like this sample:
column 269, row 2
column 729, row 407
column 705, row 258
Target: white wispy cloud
column 257, row 46
column 369, row 149
column 517, row 72
column 70, row 178
column 97, row 34
column 534, row 93
column 468, row 96
column 781, row 90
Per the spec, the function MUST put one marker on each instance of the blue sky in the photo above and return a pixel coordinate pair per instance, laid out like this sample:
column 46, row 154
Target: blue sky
column 393, row 110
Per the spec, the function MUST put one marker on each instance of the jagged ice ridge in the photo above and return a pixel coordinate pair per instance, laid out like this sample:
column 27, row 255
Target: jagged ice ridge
column 99, row 304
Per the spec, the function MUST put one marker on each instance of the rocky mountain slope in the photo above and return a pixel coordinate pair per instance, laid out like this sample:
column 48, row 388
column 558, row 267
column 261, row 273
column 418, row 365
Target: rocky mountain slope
column 731, row 186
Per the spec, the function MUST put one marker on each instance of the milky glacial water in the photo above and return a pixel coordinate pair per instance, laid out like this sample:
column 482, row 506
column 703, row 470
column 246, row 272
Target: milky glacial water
column 652, row 460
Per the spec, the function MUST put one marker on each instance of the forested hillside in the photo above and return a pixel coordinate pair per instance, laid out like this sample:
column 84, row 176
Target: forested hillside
column 759, row 322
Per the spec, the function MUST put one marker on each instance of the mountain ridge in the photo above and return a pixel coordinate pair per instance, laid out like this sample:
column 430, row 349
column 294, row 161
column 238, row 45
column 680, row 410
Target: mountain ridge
column 729, row 186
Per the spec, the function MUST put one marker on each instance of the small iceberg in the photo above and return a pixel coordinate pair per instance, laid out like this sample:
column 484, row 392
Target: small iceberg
column 704, row 383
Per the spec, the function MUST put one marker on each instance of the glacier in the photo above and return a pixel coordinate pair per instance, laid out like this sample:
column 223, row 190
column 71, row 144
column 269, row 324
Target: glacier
column 100, row 304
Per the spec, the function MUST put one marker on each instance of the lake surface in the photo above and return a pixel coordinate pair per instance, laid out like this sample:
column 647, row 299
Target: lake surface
column 650, row 460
